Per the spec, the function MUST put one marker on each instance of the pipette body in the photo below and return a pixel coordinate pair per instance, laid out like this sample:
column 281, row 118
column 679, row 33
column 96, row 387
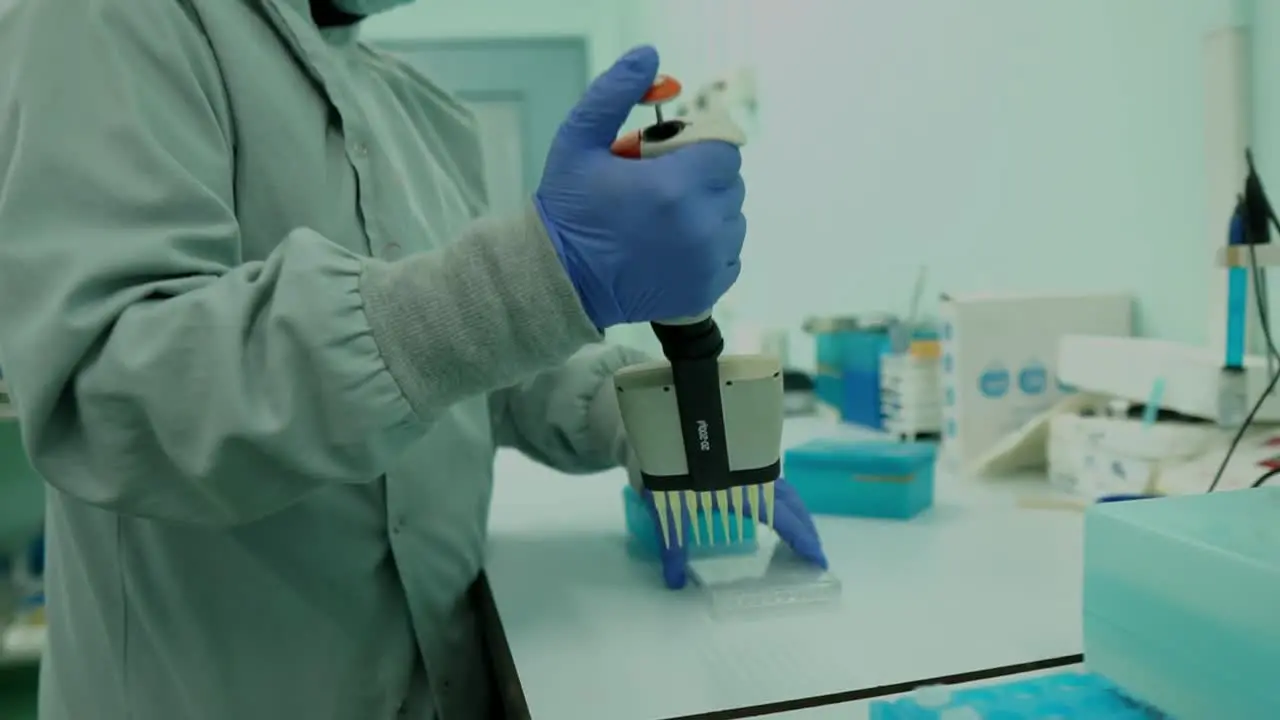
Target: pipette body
column 706, row 428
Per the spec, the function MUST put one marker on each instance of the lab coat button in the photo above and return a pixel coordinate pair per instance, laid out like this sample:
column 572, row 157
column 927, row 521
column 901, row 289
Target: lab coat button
column 392, row 251
column 361, row 150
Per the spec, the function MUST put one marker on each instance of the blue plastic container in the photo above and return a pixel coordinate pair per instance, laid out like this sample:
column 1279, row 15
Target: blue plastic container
column 853, row 350
column 849, row 357
column 643, row 540
column 860, row 398
column 882, row 479
column 829, row 390
column 1180, row 601
column 1064, row 696
column 849, row 350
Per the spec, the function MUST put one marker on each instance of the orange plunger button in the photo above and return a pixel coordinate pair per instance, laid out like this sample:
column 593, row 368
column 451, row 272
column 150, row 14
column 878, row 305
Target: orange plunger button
column 627, row 146
column 664, row 89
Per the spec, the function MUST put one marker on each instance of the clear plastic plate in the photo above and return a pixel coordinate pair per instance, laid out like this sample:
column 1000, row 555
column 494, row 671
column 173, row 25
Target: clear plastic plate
column 769, row 582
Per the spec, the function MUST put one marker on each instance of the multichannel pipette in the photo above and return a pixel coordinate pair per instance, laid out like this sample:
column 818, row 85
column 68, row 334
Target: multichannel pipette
column 706, row 428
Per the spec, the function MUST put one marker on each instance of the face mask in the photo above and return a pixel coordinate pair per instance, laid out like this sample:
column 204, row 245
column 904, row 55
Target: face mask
column 365, row 8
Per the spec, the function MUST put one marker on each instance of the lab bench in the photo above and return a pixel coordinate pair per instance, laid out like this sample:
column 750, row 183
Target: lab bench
column 977, row 585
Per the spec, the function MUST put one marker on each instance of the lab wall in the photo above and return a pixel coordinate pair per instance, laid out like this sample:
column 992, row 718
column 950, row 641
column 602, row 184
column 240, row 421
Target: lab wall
column 1004, row 145
column 600, row 22
column 1263, row 20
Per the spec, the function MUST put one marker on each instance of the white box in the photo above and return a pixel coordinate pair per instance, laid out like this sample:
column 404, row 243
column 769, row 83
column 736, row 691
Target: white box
column 1129, row 368
column 999, row 361
column 910, row 395
column 1093, row 456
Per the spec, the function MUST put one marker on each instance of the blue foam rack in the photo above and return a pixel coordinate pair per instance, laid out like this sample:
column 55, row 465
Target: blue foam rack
column 644, row 540
column 1062, row 696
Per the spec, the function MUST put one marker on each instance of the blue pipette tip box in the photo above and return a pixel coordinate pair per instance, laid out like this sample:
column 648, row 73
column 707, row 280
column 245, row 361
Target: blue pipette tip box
column 1063, row 696
column 643, row 540
column 876, row 478
column 1180, row 601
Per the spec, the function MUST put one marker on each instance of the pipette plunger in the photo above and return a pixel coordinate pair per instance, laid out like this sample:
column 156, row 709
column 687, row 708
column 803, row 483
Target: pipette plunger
column 705, row 427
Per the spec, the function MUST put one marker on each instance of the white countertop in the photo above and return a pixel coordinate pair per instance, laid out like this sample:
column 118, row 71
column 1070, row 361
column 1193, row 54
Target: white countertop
column 975, row 583
column 21, row 645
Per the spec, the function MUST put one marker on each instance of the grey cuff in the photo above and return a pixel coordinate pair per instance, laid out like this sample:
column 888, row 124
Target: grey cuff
column 483, row 313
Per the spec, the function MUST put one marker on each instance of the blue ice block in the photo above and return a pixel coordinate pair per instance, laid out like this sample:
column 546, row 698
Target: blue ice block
column 1063, row 696
column 1180, row 601
column 879, row 478
column 643, row 540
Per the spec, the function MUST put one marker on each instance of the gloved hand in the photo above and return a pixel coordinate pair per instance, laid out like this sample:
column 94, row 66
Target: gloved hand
column 792, row 522
column 642, row 240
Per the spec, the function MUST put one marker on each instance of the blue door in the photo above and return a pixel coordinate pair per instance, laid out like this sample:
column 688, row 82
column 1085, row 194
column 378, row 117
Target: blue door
column 519, row 90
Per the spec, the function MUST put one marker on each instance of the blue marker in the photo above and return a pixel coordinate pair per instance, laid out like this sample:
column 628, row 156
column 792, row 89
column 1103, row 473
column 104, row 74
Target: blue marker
column 1237, row 298
column 1152, row 409
column 1126, row 497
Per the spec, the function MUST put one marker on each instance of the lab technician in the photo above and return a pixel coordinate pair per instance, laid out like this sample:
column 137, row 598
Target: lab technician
column 264, row 343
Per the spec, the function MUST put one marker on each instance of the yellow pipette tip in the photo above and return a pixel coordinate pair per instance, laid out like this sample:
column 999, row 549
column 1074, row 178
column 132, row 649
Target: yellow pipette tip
column 660, row 502
column 766, row 490
column 691, row 504
column 704, row 499
column 739, row 511
column 722, row 499
column 677, row 505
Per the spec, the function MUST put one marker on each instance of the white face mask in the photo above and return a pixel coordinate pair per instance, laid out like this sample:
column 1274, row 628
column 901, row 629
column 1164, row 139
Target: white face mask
column 365, row 8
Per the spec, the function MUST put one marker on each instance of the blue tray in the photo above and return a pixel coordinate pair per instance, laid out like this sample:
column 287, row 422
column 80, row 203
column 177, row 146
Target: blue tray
column 1064, row 696
column 882, row 479
column 643, row 540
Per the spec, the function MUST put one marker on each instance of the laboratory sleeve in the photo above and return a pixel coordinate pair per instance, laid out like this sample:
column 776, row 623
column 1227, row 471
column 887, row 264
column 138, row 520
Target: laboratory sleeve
column 157, row 374
column 567, row 417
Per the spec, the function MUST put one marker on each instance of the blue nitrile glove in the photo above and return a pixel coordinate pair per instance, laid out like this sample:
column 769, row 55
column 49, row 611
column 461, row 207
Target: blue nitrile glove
column 642, row 240
column 792, row 522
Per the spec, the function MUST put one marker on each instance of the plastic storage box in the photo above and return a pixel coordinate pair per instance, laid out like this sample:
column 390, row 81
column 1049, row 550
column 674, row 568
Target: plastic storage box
column 643, row 540
column 882, row 479
column 848, row 378
column 1180, row 601
column 1063, row 696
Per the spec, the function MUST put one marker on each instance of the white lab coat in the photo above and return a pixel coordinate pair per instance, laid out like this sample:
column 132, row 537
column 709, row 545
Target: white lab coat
column 257, row 339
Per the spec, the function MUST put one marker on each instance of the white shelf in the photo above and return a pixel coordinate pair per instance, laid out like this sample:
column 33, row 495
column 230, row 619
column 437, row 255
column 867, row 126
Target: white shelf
column 21, row 645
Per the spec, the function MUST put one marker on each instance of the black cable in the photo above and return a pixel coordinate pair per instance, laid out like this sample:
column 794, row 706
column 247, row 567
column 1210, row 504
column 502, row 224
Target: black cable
column 1265, row 477
column 1244, row 427
column 1266, row 329
column 1260, row 297
column 1259, row 279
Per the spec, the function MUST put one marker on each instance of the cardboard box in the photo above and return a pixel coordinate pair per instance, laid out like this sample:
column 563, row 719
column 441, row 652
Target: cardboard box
column 999, row 361
column 1094, row 456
